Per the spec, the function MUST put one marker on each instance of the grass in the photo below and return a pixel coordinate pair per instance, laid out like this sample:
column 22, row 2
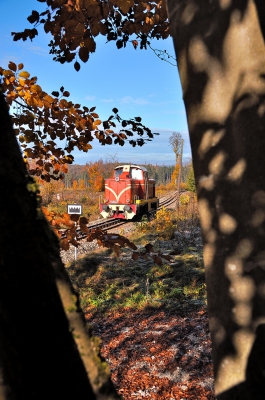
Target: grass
column 107, row 284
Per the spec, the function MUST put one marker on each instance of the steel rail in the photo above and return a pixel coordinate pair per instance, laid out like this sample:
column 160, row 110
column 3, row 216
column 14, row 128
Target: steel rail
column 111, row 223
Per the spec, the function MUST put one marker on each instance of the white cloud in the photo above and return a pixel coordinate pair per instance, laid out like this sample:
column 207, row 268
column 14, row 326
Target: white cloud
column 131, row 100
column 40, row 51
column 127, row 100
column 107, row 100
column 89, row 98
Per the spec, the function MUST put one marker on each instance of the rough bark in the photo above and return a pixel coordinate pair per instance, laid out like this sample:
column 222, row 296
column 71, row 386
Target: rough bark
column 46, row 351
column 221, row 60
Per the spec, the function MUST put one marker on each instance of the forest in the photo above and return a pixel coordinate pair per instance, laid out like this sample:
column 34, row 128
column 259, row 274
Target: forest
column 86, row 173
column 84, row 184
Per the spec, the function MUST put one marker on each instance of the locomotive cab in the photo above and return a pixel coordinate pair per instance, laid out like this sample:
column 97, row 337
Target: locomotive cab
column 128, row 193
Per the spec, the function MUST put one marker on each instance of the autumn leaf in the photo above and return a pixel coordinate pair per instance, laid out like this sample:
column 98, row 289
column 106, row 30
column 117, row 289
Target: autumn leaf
column 34, row 17
column 168, row 258
column 149, row 247
column 83, row 225
column 64, row 244
column 36, row 89
column 86, row 147
column 12, row 66
column 83, row 220
column 125, row 5
column 90, row 45
column 74, row 242
column 119, row 44
column 83, row 54
column 74, row 217
column 116, row 250
column 157, row 260
column 24, row 74
column 135, row 44
column 77, row 66
column 135, row 256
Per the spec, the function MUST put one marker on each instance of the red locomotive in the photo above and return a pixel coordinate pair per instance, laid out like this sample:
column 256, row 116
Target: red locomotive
column 129, row 193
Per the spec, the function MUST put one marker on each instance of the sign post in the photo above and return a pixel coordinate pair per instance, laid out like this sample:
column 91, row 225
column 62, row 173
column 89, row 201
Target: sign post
column 74, row 209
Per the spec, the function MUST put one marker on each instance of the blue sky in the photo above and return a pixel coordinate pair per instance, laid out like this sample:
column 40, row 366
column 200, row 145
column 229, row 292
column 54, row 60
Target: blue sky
column 137, row 82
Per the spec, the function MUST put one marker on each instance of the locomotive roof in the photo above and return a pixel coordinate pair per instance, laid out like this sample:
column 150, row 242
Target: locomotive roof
column 131, row 166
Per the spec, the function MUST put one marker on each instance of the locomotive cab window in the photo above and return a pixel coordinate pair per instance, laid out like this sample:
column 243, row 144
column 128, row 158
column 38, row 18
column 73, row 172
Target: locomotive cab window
column 118, row 172
column 136, row 173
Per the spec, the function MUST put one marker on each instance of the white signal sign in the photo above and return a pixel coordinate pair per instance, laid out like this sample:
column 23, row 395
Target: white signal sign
column 74, row 209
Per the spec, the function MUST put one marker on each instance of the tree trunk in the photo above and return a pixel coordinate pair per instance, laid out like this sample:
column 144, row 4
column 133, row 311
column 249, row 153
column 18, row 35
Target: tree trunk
column 221, row 60
column 46, row 351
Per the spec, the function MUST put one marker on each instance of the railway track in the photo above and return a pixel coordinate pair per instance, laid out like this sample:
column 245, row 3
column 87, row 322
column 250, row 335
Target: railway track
column 111, row 223
column 108, row 223
column 168, row 200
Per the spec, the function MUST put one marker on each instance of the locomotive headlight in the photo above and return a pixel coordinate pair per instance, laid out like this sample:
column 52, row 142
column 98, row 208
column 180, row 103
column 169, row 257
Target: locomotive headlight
column 127, row 208
column 105, row 207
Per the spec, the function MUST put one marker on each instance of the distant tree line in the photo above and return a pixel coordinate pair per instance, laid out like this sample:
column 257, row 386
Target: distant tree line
column 85, row 176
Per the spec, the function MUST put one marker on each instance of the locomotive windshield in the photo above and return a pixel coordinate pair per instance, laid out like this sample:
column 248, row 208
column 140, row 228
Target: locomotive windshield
column 118, row 172
column 131, row 171
column 136, row 173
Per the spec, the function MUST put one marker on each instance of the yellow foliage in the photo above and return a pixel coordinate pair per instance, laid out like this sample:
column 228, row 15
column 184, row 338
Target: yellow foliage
column 184, row 199
column 164, row 223
column 175, row 175
column 75, row 185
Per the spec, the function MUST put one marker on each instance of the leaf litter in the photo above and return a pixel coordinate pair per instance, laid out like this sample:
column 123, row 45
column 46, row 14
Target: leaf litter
column 161, row 352
column 158, row 354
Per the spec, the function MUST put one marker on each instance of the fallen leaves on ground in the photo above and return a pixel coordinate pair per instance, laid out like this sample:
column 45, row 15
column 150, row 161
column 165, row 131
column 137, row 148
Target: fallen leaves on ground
column 158, row 354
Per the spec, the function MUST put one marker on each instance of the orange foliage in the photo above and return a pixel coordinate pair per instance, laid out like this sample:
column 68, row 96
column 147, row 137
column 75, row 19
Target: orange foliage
column 61, row 119
column 81, row 184
column 74, row 25
column 49, row 189
column 75, row 185
column 95, row 176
